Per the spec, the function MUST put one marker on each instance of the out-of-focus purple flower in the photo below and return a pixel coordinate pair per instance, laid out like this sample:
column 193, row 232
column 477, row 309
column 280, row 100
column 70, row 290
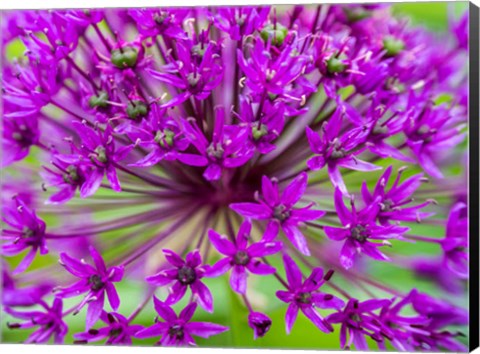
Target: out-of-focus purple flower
column 393, row 203
column 49, row 322
column 18, row 136
column 178, row 330
column 455, row 243
column 335, row 150
column 260, row 323
column 241, row 257
column 118, row 330
column 359, row 230
column 304, row 296
column 25, row 231
column 184, row 274
column 95, row 281
column 357, row 321
column 279, row 210
column 431, row 130
column 13, row 295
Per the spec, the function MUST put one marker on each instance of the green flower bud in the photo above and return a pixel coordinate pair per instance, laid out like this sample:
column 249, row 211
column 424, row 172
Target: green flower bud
column 335, row 65
column 276, row 33
column 99, row 101
column 165, row 138
column 258, row 133
column 136, row 110
column 125, row 58
column 393, row 46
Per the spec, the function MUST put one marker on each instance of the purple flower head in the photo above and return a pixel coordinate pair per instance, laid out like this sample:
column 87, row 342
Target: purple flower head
column 66, row 176
column 269, row 75
column 118, row 330
column 240, row 21
column 98, row 152
column 360, row 230
column 178, row 330
column 393, row 202
column 279, row 209
column 357, row 321
column 304, row 296
column 83, row 18
column 162, row 136
column 197, row 80
column 227, row 149
column 260, row 323
column 49, row 322
column 24, row 231
column 184, row 274
column 267, row 128
column 335, row 150
column 241, row 257
column 95, row 281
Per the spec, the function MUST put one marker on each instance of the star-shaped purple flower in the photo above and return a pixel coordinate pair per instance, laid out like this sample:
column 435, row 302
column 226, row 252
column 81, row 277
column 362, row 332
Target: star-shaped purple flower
column 118, row 330
column 241, row 257
column 184, row 274
column 178, row 330
column 95, row 281
column 359, row 230
column 49, row 322
column 304, row 296
column 25, row 230
column 280, row 209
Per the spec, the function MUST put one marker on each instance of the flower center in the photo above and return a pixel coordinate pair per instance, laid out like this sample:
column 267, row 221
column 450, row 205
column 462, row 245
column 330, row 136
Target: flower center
column 165, row 138
column 280, row 213
column 28, row 232
column 96, row 282
column 304, row 298
column 387, row 205
column 359, row 233
column 23, row 136
column 176, row 331
column 215, row 151
column 338, row 153
column 241, row 258
column 71, row 177
column 101, row 154
column 115, row 332
column 186, row 275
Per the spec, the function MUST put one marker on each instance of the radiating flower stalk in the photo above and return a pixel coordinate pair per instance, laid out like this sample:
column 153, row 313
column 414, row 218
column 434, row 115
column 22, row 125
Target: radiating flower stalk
column 308, row 146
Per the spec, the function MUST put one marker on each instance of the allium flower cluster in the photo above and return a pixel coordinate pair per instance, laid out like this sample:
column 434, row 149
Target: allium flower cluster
column 162, row 160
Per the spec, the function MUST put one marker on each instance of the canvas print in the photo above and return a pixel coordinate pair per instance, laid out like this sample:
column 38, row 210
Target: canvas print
column 259, row 176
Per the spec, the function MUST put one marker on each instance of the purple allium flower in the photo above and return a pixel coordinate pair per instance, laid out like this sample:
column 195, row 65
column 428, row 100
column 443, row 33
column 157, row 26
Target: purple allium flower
column 226, row 150
column 184, row 274
column 357, row 321
column 25, row 231
column 131, row 131
column 304, row 296
column 97, row 151
column 279, row 209
column 95, row 281
column 49, row 322
column 241, row 257
column 334, row 150
column 118, row 330
column 393, row 202
column 260, row 323
column 178, row 330
column 359, row 230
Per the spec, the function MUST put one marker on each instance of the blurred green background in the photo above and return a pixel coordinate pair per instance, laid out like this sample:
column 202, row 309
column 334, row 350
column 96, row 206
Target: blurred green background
column 229, row 310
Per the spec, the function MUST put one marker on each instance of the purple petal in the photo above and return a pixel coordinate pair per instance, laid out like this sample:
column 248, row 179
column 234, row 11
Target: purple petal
column 221, row 243
column 269, row 191
column 296, row 237
column 259, row 268
column 173, row 258
column 219, row 268
column 290, row 317
column 316, row 319
column 238, row 279
column 204, row 296
column 112, row 295
column 94, row 310
column 251, row 210
column 113, row 178
column 294, row 275
column 163, row 310
column 205, row 329
column 295, row 190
